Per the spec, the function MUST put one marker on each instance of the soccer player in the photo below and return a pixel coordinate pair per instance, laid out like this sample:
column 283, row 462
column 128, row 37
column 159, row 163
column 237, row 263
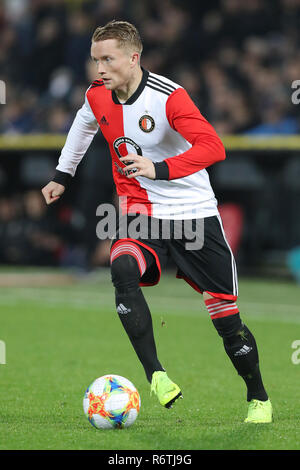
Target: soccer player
column 160, row 145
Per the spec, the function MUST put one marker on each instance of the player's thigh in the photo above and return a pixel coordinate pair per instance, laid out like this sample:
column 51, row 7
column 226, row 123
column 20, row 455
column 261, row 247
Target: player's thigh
column 211, row 268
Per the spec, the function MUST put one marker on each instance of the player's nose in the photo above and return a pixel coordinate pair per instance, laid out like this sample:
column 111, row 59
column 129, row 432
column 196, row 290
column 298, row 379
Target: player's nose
column 101, row 70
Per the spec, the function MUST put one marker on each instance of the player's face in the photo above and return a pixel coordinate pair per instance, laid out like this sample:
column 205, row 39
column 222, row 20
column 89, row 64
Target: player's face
column 114, row 64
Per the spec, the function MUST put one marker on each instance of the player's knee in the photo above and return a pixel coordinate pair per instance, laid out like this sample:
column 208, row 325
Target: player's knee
column 228, row 327
column 207, row 296
column 224, row 314
column 125, row 272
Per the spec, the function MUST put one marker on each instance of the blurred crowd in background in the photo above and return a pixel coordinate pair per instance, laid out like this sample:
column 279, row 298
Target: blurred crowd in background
column 236, row 59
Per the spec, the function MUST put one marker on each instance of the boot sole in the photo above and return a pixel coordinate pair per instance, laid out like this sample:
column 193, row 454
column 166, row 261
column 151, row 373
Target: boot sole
column 170, row 403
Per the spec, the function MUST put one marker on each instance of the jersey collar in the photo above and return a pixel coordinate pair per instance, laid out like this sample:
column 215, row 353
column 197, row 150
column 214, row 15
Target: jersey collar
column 137, row 92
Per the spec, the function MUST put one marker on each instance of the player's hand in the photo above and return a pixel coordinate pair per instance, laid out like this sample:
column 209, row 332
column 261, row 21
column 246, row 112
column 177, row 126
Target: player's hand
column 52, row 192
column 143, row 165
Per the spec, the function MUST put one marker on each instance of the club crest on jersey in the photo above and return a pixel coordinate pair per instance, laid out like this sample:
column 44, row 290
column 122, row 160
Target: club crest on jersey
column 146, row 123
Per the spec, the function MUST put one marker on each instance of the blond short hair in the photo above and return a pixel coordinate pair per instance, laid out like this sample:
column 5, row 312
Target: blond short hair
column 125, row 33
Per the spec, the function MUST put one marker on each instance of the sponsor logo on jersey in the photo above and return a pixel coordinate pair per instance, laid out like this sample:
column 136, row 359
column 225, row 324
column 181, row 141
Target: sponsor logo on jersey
column 122, row 147
column 146, row 123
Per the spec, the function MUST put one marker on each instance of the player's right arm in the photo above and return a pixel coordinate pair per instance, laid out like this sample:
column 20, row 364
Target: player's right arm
column 79, row 138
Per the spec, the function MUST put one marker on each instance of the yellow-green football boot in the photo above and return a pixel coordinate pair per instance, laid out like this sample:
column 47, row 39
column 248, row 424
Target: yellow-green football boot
column 259, row 412
column 165, row 390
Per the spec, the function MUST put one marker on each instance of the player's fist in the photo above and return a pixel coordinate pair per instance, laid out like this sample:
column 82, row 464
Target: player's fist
column 141, row 166
column 52, row 192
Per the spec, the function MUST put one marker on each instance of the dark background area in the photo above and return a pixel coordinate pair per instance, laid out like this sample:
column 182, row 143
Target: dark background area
column 236, row 59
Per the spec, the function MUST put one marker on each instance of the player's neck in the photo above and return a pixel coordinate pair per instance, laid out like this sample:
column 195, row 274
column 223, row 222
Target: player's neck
column 127, row 91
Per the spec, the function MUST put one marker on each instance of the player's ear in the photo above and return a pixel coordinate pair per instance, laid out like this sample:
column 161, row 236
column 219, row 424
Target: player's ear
column 135, row 57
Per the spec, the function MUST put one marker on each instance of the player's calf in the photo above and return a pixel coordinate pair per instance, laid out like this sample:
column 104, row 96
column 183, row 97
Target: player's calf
column 132, row 307
column 239, row 344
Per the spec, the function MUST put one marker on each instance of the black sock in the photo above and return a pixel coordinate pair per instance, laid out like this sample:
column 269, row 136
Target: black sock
column 134, row 312
column 137, row 323
column 242, row 350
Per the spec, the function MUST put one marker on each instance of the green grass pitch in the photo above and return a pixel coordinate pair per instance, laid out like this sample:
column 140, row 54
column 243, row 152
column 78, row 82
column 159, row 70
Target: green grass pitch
column 60, row 338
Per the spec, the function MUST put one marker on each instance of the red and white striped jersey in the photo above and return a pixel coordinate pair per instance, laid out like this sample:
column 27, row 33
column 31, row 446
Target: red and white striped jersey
column 160, row 122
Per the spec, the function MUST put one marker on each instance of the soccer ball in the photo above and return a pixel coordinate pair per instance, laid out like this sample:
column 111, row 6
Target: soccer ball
column 111, row 401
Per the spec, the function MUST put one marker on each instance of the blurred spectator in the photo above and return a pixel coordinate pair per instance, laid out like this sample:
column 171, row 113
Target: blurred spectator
column 78, row 42
column 27, row 234
column 31, row 234
column 58, row 119
column 43, row 245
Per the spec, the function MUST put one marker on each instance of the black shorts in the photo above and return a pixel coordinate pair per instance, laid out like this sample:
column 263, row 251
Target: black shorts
column 205, row 262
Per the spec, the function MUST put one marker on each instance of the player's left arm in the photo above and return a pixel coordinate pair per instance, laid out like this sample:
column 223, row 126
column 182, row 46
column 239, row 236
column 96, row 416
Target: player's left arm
column 207, row 148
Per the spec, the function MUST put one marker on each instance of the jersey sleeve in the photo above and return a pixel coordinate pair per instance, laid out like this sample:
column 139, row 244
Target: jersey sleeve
column 207, row 148
column 78, row 140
